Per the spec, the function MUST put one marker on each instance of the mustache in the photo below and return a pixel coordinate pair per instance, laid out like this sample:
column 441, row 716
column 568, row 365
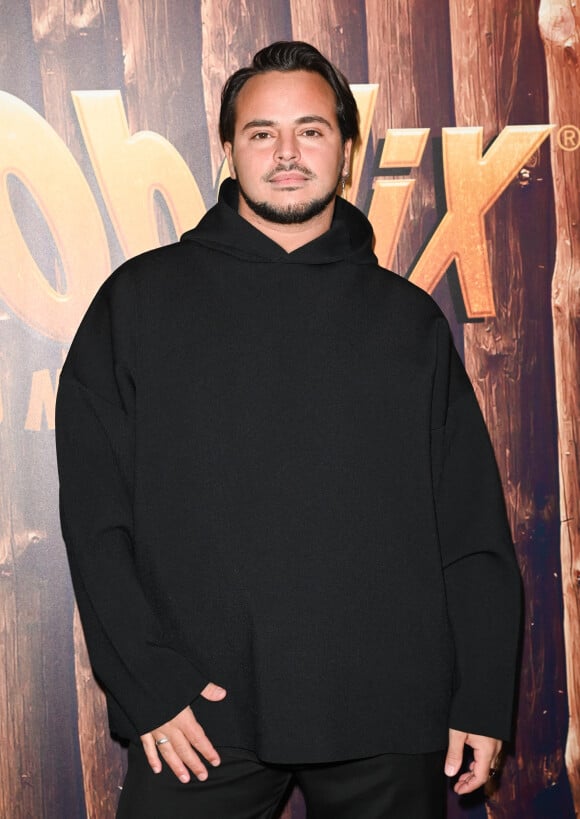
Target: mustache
column 292, row 166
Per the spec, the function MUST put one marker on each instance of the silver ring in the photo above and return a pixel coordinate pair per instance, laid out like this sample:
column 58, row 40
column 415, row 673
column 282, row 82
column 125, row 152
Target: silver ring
column 161, row 741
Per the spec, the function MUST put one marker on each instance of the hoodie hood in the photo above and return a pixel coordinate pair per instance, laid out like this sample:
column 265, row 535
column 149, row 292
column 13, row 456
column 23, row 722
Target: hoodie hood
column 350, row 236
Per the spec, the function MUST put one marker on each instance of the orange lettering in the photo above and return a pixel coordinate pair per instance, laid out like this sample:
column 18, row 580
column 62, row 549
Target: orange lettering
column 403, row 148
column 131, row 168
column 32, row 151
column 473, row 182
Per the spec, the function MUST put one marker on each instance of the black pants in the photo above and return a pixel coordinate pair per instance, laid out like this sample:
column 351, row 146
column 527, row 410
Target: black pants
column 390, row 786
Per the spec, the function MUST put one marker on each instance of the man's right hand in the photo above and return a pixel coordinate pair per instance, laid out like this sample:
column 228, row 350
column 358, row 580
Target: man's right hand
column 183, row 733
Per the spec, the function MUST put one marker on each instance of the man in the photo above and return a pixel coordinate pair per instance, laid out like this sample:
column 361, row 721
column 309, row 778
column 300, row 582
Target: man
column 284, row 522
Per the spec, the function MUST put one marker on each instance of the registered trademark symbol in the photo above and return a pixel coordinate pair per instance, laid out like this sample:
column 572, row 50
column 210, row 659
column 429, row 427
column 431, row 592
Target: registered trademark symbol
column 568, row 137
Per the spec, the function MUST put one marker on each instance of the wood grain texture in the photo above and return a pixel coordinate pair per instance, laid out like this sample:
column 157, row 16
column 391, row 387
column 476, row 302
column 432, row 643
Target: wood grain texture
column 505, row 357
column 37, row 685
column 19, row 70
column 489, row 36
column 337, row 28
column 170, row 63
column 103, row 762
column 559, row 24
column 232, row 33
column 162, row 48
column 78, row 43
column 409, row 57
column 22, row 775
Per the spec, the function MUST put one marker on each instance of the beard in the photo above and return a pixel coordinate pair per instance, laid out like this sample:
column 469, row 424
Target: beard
column 293, row 214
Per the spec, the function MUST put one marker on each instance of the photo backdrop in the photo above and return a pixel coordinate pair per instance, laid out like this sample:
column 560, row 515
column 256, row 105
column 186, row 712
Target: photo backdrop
column 469, row 170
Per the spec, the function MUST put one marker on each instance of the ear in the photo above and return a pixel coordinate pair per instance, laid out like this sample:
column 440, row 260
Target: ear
column 229, row 152
column 347, row 152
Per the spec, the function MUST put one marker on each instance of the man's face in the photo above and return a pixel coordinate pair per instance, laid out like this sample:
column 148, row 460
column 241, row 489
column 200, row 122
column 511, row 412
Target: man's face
column 287, row 154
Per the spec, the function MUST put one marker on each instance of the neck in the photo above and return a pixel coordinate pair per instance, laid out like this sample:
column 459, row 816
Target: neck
column 289, row 237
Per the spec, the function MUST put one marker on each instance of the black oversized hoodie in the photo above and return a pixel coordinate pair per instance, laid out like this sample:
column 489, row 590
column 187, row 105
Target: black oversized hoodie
column 275, row 476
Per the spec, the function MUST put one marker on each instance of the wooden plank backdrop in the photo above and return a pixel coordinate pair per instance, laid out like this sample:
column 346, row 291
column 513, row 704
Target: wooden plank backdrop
column 162, row 48
column 232, row 33
column 560, row 27
column 413, row 70
column 494, row 42
column 438, row 63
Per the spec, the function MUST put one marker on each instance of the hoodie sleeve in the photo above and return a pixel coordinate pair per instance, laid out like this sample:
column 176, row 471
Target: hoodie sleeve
column 146, row 679
column 481, row 575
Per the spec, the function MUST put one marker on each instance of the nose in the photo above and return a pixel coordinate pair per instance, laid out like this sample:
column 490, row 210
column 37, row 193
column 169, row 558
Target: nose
column 287, row 149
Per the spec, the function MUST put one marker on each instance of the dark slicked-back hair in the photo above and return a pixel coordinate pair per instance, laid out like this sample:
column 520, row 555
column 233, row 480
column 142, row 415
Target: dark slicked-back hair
column 290, row 56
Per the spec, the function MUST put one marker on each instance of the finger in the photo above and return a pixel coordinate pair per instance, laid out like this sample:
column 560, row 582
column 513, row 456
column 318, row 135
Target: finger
column 150, row 749
column 485, row 754
column 455, row 748
column 213, row 692
column 199, row 740
column 471, row 781
column 182, row 759
column 484, row 750
column 465, row 783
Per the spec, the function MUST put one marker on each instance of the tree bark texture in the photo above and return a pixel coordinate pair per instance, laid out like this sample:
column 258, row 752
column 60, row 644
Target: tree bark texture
column 506, row 359
column 560, row 28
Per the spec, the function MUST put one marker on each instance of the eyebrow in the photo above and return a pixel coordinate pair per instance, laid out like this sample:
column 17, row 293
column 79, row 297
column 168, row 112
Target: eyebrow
column 269, row 123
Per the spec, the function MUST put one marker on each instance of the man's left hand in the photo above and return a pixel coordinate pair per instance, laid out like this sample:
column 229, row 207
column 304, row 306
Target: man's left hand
column 485, row 755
